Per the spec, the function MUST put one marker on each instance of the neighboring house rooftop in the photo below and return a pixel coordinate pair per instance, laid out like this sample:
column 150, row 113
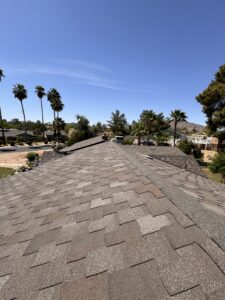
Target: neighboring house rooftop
column 16, row 132
column 51, row 133
column 106, row 222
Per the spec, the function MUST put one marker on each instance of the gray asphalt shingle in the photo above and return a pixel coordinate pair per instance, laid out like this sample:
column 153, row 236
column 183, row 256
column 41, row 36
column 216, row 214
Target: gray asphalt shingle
column 108, row 223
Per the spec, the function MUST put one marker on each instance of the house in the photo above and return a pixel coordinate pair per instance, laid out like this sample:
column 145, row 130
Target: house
column 202, row 140
column 49, row 134
column 205, row 142
column 15, row 134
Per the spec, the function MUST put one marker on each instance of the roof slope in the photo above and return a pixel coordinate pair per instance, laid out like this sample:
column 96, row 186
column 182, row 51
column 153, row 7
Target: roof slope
column 171, row 155
column 102, row 223
column 83, row 144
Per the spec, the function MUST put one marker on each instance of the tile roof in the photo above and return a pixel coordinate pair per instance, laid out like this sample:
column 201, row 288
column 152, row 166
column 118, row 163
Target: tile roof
column 108, row 223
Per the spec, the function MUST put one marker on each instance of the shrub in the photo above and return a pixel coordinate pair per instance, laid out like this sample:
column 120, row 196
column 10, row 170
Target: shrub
column 22, row 169
column 127, row 142
column 70, row 142
column 105, row 137
column 29, row 143
column 31, row 156
column 186, row 147
column 222, row 171
column 20, row 143
column 12, row 143
column 190, row 148
column 19, row 139
column 197, row 153
column 218, row 163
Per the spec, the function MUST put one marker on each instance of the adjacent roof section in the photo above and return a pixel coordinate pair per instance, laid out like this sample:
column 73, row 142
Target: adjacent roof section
column 170, row 155
column 107, row 223
column 83, row 144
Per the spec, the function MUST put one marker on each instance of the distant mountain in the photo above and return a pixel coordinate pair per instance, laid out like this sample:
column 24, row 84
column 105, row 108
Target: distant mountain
column 188, row 127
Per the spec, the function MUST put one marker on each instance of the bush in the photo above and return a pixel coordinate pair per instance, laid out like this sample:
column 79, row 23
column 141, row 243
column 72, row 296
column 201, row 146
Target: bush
column 186, row 147
column 218, row 163
column 70, row 142
column 105, row 137
column 190, row 148
column 20, row 143
column 19, row 139
column 12, row 143
column 197, row 153
column 127, row 142
column 31, row 156
column 22, row 169
column 29, row 143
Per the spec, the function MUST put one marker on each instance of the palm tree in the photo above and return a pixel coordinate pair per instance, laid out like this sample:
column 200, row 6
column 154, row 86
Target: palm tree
column 177, row 116
column 40, row 91
column 20, row 93
column 2, row 127
column 54, row 98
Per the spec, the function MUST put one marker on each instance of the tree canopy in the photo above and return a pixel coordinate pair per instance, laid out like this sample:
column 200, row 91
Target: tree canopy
column 118, row 123
column 153, row 122
column 212, row 100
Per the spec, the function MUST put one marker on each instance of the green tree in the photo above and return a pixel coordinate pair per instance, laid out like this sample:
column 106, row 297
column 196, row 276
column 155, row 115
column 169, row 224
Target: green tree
column 37, row 127
column 97, row 128
column 212, row 100
column 160, row 137
column 20, row 93
column 138, row 130
column 118, row 123
column 152, row 122
column 2, row 125
column 40, row 91
column 177, row 116
column 218, row 165
column 82, row 130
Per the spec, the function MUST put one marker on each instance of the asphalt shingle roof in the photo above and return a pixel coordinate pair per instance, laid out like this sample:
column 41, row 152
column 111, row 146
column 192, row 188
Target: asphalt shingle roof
column 170, row 155
column 83, row 144
column 106, row 223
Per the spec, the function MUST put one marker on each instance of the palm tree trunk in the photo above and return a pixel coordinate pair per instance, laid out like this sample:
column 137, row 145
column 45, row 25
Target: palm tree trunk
column 54, row 128
column 2, row 128
column 42, row 115
column 174, row 133
column 219, row 144
column 24, row 118
column 139, row 139
column 57, row 126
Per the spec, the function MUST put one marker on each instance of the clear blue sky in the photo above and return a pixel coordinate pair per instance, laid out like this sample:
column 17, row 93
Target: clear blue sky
column 104, row 55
